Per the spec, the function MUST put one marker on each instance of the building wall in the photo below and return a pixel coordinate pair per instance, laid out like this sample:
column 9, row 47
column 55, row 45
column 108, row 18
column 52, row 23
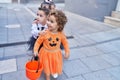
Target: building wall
column 94, row 9
column 56, row 1
column 28, row 1
column 23, row 1
column 118, row 6
column 5, row 1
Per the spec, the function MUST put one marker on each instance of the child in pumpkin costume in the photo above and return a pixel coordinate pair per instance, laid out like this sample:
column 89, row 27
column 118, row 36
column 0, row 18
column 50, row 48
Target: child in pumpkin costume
column 50, row 54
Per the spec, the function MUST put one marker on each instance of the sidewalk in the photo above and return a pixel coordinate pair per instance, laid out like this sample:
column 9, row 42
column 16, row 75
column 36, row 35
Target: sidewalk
column 95, row 46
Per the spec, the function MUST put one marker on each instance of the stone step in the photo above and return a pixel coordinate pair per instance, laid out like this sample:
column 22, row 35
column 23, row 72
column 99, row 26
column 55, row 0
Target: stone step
column 116, row 14
column 112, row 21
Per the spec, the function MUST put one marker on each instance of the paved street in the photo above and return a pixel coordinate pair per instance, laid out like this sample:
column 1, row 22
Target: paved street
column 94, row 46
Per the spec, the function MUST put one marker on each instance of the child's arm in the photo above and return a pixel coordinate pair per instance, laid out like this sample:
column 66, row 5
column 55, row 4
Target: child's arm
column 66, row 46
column 34, row 28
column 37, row 44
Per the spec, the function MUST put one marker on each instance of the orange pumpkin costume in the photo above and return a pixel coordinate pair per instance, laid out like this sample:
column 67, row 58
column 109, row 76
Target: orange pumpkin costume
column 50, row 54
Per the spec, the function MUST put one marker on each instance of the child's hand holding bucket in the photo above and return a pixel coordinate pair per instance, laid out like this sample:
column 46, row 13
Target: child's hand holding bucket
column 35, row 54
column 36, row 58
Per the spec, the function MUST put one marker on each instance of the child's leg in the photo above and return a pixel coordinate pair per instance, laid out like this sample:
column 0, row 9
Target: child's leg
column 47, row 77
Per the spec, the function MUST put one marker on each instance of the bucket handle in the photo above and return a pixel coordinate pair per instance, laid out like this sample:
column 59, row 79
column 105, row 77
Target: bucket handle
column 36, row 58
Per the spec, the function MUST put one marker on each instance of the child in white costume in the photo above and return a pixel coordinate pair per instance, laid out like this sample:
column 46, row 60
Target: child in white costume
column 38, row 26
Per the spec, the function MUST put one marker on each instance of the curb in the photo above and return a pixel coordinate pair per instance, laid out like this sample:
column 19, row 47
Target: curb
column 13, row 44
column 23, row 42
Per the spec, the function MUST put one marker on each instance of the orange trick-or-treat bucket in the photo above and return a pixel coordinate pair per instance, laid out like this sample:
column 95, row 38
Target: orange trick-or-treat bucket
column 33, row 69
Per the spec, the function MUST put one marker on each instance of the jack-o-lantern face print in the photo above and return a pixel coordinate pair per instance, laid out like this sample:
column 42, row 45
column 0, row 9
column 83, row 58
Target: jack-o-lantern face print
column 53, row 41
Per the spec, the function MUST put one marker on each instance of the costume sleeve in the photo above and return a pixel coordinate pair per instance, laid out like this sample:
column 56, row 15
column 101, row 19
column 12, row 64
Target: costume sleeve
column 65, row 44
column 38, row 42
column 34, row 30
